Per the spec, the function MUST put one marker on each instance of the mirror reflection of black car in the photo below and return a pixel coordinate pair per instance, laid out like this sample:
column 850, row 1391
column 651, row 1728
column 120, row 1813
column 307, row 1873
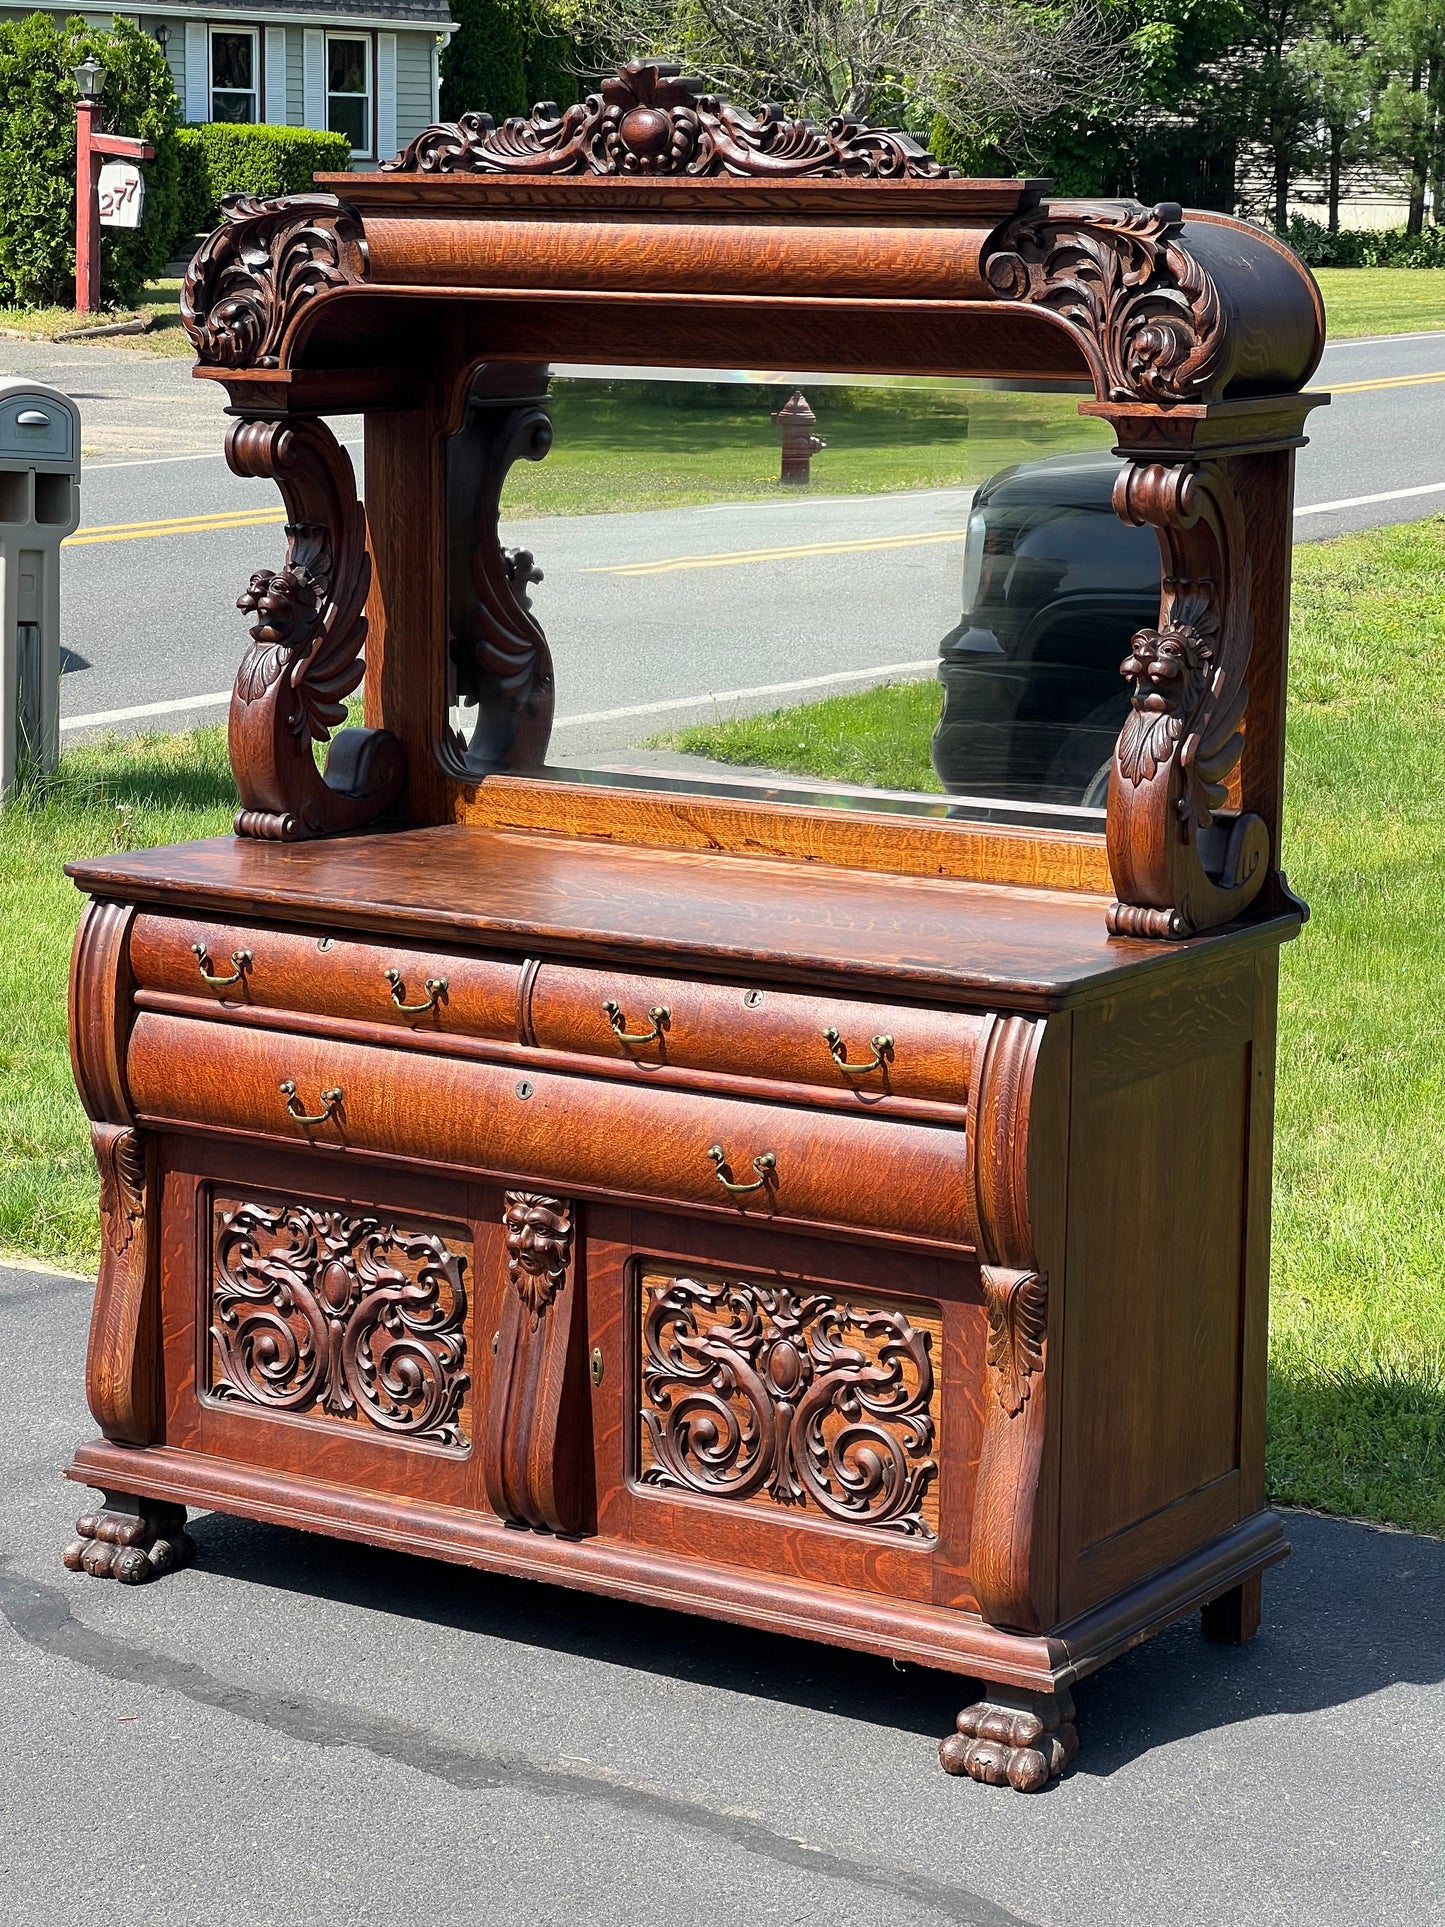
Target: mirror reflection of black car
column 1054, row 585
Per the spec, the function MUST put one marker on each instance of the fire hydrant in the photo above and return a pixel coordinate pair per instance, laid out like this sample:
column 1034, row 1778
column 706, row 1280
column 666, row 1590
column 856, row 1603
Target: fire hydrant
column 796, row 420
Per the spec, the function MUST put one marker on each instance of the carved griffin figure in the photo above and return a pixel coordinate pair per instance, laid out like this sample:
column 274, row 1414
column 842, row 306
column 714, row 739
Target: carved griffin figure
column 1171, row 670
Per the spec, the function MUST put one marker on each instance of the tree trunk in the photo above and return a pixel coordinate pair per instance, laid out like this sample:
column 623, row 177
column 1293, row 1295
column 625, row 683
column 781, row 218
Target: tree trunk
column 1281, row 188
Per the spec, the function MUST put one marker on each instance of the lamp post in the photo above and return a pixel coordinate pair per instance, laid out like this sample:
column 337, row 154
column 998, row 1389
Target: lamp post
column 91, row 147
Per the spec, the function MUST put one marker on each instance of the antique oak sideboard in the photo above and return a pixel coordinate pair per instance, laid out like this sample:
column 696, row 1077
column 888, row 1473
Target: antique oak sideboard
column 849, row 1222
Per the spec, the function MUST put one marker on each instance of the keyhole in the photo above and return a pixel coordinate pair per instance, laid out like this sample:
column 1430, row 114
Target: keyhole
column 752, row 998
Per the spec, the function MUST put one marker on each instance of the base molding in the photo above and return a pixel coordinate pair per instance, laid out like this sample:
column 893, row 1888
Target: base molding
column 952, row 1641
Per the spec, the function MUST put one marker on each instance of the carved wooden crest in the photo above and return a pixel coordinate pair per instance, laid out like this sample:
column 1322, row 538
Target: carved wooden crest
column 651, row 119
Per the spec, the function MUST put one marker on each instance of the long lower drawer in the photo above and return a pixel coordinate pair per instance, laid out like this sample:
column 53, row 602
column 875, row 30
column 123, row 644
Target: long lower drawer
column 766, row 1161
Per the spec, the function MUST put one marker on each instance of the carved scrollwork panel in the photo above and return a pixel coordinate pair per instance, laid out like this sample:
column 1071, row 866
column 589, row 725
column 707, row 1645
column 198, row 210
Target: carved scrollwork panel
column 651, row 119
column 1145, row 312
column 267, row 263
column 761, row 1394
column 319, row 1313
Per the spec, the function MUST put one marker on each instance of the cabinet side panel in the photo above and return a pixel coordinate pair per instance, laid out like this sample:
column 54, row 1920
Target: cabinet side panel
column 1158, row 1201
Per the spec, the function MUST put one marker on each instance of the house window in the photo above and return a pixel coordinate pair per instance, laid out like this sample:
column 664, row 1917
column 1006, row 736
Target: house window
column 235, row 67
column 348, row 89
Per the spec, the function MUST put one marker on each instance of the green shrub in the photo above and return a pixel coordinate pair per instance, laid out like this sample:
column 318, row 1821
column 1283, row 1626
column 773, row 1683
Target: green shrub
column 37, row 157
column 1364, row 247
column 550, row 60
column 225, row 157
column 484, row 66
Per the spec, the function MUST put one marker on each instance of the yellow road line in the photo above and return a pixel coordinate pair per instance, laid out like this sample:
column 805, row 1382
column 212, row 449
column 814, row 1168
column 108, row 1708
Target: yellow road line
column 734, row 556
column 1385, row 381
column 177, row 525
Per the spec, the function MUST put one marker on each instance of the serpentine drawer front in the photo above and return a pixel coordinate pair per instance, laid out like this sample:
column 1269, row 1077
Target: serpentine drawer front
column 875, row 1050
column 239, row 966
column 763, row 1161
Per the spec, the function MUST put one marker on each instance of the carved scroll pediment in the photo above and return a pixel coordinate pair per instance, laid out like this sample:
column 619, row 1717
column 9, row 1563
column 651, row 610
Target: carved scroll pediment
column 651, row 119
column 265, row 263
column 1148, row 316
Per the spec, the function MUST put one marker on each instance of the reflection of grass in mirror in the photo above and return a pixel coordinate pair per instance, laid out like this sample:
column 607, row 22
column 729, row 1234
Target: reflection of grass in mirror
column 879, row 738
column 632, row 445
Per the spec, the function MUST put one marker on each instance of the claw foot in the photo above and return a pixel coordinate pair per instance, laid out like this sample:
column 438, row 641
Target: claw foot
column 1016, row 1739
column 131, row 1540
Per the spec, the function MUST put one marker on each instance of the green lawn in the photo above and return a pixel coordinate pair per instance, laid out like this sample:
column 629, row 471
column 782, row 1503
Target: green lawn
column 161, row 301
column 1381, row 301
column 1357, row 1412
column 1357, row 1405
column 630, row 445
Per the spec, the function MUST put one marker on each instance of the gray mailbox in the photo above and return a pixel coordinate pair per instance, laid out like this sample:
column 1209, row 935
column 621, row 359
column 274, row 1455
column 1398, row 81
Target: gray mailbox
column 39, row 507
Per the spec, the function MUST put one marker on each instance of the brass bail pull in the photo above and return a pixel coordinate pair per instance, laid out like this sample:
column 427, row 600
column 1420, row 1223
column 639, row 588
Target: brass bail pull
column 765, row 1164
column 436, row 989
column 329, row 1101
column 882, row 1051
column 660, row 1014
column 240, row 964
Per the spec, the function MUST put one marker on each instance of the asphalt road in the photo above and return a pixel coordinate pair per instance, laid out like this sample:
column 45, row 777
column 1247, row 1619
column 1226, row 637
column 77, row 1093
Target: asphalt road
column 149, row 615
column 301, row 1730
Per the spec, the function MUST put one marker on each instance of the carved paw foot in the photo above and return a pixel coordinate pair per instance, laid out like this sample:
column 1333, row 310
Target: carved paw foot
column 1015, row 1739
column 131, row 1540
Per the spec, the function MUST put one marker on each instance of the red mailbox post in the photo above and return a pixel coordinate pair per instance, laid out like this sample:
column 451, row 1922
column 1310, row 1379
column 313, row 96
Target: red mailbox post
column 91, row 149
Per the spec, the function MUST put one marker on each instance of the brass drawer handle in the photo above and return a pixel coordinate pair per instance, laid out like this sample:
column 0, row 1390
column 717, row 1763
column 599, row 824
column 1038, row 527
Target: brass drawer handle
column 660, row 1014
column 765, row 1164
column 240, row 964
column 436, row 989
column 329, row 1101
column 882, row 1050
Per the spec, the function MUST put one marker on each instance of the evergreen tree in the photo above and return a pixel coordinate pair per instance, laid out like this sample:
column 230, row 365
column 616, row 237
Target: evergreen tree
column 484, row 66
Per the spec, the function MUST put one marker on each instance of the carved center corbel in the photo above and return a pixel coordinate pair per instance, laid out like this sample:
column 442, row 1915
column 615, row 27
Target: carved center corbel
column 1180, row 863
column 307, row 631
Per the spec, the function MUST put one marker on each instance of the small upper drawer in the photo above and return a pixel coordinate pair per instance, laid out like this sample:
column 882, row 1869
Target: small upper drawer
column 875, row 1050
column 295, row 970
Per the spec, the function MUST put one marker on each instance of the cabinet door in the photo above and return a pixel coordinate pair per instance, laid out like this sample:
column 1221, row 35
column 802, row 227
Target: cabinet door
column 329, row 1319
column 787, row 1404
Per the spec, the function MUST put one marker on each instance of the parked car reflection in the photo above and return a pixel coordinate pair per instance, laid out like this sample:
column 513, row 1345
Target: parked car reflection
column 1054, row 585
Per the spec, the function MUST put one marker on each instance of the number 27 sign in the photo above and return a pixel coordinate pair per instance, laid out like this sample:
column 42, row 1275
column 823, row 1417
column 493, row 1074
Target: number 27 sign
column 122, row 192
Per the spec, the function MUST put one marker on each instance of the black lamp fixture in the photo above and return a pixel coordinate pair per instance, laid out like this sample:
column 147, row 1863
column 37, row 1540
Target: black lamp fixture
column 162, row 35
column 90, row 78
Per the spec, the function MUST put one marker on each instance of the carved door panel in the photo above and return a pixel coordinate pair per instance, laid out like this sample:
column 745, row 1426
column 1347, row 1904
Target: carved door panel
column 328, row 1319
column 793, row 1405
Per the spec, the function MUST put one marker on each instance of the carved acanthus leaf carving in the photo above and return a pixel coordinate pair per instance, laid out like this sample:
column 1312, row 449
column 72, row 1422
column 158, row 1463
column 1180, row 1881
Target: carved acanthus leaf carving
column 312, row 1309
column 539, row 1248
column 650, row 119
column 120, row 1156
column 1149, row 317
column 267, row 262
column 1016, row 1304
column 750, row 1389
column 305, row 658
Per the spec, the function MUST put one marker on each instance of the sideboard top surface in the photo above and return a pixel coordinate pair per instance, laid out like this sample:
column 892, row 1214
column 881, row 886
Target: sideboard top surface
column 1025, row 948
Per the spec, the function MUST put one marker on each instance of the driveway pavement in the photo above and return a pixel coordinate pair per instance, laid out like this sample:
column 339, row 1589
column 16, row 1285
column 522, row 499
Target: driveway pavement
column 303, row 1730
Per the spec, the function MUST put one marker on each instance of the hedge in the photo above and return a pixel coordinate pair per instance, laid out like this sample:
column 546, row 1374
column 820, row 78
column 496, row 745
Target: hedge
column 223, row 157
column 37, row 157
column 484, row 67
column 1365, row 247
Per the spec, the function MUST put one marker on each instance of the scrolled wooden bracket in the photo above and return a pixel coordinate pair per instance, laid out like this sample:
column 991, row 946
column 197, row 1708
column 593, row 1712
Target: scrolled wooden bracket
column 305, row 655
column 1003, row 1567
column 1180, row 863
column 536, row 1411
column 267, row 264
column 500, row 658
